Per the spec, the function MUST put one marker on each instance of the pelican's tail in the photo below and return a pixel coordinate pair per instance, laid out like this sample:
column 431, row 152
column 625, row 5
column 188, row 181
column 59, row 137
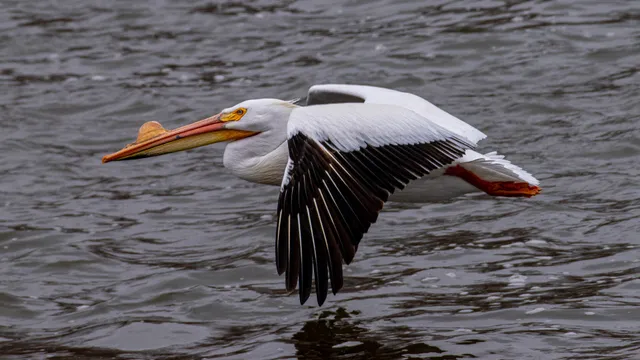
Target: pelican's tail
column 495, row 175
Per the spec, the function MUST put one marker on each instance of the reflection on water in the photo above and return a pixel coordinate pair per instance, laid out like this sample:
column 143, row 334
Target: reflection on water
column 335, row 335
column 172, row 258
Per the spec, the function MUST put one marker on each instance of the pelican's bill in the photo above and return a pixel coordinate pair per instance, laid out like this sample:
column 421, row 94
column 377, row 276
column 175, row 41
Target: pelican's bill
column 154, row 140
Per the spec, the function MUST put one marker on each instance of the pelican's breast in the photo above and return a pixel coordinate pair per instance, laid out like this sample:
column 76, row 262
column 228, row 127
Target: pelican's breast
column 265, row 168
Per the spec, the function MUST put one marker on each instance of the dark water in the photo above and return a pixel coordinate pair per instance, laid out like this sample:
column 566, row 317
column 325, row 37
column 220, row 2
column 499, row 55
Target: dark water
column 172, row 257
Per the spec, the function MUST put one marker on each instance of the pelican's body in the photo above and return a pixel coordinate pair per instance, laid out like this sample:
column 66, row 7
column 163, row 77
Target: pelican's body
column 337, row 160
column 263, row 163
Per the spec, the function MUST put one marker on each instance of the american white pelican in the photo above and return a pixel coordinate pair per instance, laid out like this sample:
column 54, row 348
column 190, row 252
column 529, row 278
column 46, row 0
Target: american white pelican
column 338, row 156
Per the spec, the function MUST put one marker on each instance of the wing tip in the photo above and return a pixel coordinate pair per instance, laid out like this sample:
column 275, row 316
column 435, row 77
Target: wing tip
column 321, row 296
column 304, row 296
column 337, row 284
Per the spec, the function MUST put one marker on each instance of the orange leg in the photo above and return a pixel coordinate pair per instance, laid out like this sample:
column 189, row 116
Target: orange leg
column 494, row 188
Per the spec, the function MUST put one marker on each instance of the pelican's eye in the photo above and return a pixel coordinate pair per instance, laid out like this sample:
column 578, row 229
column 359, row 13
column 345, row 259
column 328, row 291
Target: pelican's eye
column 234, row 115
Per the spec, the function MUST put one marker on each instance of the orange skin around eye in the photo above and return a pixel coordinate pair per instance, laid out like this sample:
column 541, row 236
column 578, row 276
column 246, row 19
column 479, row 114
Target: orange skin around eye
column 234, row 115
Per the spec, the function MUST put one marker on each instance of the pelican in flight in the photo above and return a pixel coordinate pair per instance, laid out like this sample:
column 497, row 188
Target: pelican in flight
column 338, row 155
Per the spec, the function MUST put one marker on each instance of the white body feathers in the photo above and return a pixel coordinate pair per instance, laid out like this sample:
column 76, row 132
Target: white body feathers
column 386, row 117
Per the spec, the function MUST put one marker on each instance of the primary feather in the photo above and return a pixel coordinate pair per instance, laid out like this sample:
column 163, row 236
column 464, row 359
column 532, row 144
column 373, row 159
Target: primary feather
column 338, row 176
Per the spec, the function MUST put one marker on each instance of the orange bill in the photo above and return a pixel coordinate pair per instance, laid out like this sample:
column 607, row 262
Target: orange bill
column 154, row 140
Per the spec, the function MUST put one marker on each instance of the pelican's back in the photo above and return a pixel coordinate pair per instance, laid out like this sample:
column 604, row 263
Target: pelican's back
column 336, row 93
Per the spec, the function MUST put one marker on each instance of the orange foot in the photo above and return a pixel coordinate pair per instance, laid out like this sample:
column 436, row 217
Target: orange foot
column 494, row 188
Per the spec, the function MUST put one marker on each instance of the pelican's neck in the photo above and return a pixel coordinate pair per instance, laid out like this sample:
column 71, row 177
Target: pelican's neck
column 260, row 158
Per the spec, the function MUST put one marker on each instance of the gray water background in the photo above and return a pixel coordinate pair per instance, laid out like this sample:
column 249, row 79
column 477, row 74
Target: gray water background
column 172, row 257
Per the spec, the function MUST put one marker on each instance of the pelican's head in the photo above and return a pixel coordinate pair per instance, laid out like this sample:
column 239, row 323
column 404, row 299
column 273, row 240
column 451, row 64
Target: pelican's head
column 246, row 119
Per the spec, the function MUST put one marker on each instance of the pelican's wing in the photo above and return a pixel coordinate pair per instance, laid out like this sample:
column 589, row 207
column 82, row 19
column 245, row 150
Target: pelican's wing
column 344, row 162
column 340, row 93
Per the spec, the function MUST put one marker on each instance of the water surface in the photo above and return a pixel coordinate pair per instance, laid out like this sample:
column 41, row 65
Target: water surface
column 172, row 257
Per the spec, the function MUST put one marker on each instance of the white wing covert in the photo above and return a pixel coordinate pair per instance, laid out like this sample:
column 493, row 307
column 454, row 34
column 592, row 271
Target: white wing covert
column 342, row 93
column 344, row 162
